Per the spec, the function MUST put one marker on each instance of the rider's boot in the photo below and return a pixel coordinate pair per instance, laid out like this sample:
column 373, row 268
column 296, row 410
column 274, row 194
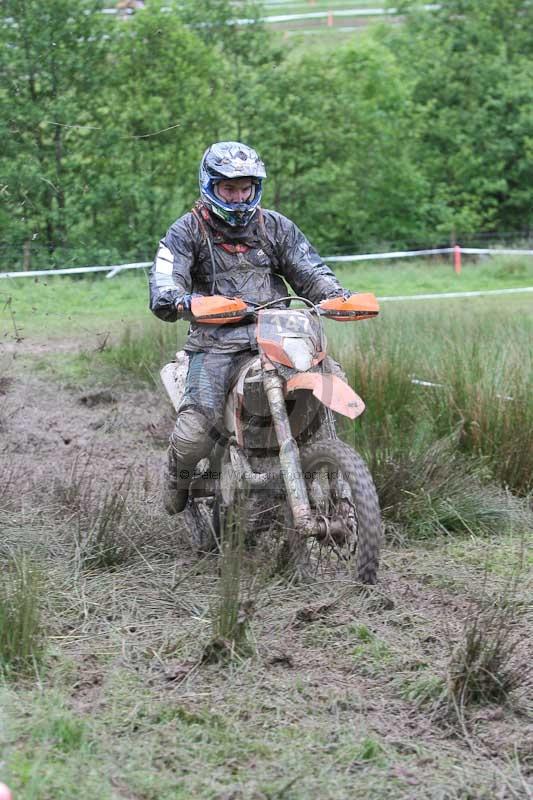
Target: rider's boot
column 189, row 443
column 175, row 490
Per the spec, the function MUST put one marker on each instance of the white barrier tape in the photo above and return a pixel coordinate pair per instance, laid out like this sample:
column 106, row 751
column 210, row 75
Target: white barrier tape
column 500, row 252
column 140, row 265
column 454, row 294
column 76, row 270
column 412, row 253
column 398, row 254
column 345, row 12
column 432, row 385
column 419, row 382
column 113, row 270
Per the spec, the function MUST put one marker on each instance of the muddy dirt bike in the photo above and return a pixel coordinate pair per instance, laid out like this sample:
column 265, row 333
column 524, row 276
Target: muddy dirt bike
column 280, row 449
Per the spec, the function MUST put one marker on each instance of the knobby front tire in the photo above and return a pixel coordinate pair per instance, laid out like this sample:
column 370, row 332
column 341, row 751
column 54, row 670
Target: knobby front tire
column 333, row 466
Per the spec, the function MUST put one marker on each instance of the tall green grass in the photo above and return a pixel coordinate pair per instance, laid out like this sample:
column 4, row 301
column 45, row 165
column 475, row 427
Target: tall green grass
column 142, row 351
column 479, row 356
column 22, row 635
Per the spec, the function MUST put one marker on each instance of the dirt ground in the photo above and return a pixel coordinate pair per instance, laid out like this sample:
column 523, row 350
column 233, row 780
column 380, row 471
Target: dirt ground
column 343, row 695
column 47, row 427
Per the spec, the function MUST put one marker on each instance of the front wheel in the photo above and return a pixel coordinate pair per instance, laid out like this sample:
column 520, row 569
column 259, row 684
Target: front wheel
column 343, row 496
column 202, row 525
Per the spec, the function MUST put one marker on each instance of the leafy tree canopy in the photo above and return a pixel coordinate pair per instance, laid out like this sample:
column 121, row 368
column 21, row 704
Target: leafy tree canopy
column 406, row 135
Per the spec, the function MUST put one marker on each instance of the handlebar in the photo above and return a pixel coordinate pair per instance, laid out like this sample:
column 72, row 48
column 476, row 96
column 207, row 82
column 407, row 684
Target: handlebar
column 220, row 310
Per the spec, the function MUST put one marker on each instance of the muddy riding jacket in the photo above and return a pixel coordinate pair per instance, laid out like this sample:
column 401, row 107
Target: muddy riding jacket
column 203, row 255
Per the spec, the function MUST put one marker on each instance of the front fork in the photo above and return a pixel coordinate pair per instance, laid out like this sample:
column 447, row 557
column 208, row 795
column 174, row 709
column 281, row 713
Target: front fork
column 289, row 455
column 306, row 523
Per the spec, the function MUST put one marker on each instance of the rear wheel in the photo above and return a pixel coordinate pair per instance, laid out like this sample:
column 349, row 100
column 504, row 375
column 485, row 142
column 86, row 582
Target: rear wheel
column 343, row 497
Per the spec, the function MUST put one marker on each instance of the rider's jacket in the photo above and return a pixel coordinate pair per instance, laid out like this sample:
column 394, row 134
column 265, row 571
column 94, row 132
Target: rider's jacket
column 203, row 255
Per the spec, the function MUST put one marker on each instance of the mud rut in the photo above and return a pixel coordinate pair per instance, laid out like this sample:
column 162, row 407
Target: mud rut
column 47, row 428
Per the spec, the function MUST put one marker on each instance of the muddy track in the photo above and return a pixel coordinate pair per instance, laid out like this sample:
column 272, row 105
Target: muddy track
column 46, row 427
column 332, row 665
column 16, row 345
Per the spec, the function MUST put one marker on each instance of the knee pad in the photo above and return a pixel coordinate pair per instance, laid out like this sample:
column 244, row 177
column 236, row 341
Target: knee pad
column 191, row 438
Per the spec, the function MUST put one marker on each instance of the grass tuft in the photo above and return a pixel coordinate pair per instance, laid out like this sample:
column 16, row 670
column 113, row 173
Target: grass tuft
column 97, row 515
column 141, row 354
column 423, row 689
column 432, row 489
column 101, row 532
column 61, row 730
column 231, row 614
column 481, row 668
column 9, row 486
column 22, row 635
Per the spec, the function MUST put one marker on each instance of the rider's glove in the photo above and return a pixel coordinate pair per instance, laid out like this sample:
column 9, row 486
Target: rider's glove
column 344, row 293
column 183, row 307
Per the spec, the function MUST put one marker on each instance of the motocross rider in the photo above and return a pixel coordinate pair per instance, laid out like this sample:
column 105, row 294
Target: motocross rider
column 227, row 245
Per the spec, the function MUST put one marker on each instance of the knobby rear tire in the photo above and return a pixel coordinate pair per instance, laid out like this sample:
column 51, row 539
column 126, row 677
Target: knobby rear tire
column 340, row 456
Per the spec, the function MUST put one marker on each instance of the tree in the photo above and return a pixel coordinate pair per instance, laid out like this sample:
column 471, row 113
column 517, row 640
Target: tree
column 334, row 129
column 50, row 66
column 166, row 100
column 472, row 68
column 104, row 121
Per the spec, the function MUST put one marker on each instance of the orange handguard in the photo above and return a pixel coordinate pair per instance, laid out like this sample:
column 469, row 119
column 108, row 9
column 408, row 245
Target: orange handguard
column 355, row 307
column 218, row 310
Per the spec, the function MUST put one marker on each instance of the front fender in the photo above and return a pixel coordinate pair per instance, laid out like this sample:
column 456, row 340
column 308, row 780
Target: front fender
column 331, row 390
